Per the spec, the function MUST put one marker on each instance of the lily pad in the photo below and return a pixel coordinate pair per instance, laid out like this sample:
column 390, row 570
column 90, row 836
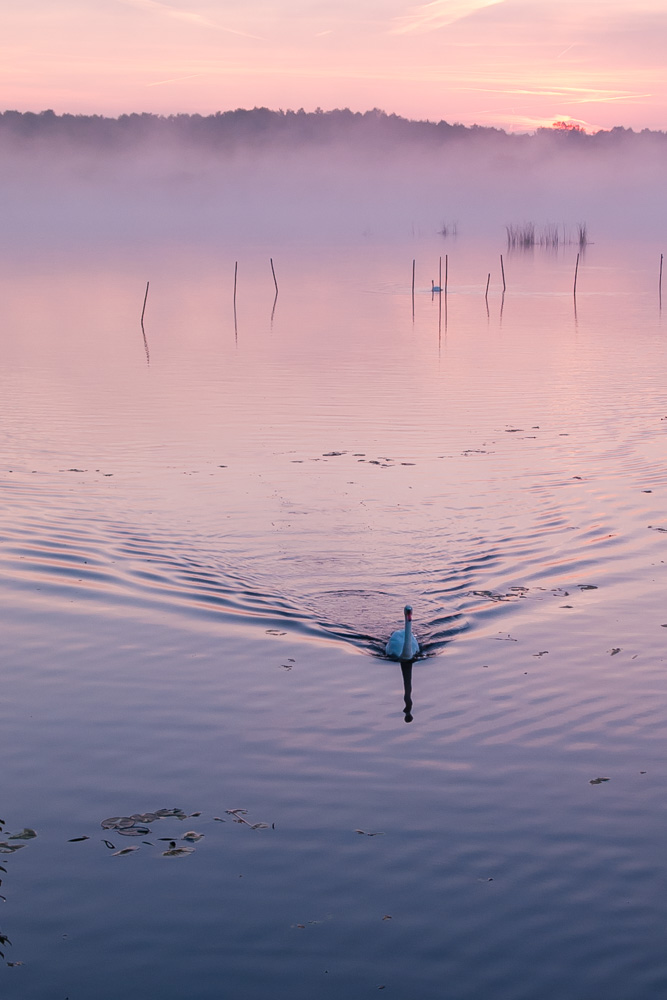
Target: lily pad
column 178, row 852
column 163, row 813
column 192, row 836
column 124, row 851
column 6, row 848
column 110, row 824
column 25, row 834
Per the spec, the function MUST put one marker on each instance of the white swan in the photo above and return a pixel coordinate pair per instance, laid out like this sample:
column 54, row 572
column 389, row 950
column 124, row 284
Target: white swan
column 402, row 644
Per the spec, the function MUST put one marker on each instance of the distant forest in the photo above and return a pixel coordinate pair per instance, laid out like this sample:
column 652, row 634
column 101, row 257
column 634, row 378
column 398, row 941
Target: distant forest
column 259, row 126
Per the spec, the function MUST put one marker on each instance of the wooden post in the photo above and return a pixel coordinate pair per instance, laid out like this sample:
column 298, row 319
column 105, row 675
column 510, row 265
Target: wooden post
column 660, row 279
column 144, row 308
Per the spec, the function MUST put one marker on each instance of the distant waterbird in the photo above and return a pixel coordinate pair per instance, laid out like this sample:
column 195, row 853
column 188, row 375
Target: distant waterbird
column 402, row 644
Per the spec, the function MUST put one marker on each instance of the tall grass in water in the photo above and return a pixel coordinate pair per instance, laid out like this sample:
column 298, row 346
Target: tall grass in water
column 527, row 235
column 520, row 236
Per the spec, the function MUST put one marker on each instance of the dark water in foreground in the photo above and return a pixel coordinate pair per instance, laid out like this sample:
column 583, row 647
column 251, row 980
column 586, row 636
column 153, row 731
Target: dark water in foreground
column 206, row 538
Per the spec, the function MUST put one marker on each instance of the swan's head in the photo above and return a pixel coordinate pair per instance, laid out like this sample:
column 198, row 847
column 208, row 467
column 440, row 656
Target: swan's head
column 407, row 611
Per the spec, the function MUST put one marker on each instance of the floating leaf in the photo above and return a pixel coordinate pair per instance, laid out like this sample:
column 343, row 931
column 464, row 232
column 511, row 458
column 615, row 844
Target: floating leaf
column 25, row 834
column 598, row 781
column 192, row 836
column 125, row 850
column 178, row 852
column 145, row 817
column 614, row 651
column 107, row 843
column 110, row 824
column 6, row 848
column 75, row 840
column 134, row 831
column 259, row 826
column 194, row 815
column 587, row 586
column 177, row 813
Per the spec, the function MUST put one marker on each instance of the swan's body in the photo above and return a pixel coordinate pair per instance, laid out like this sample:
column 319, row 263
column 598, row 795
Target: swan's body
column 402, row 644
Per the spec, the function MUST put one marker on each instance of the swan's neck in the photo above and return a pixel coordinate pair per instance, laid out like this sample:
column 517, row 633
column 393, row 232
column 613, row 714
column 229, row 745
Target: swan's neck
column 406, row 654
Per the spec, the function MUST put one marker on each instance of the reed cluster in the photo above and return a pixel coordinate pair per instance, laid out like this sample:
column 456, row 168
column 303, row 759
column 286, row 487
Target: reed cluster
column 527, row 234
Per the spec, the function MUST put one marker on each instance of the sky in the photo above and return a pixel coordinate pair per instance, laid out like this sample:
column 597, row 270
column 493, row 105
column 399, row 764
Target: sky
column 514, row 64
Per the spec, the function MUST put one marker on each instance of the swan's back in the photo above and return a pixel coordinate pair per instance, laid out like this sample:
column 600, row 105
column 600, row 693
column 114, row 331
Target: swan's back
column 394, row 647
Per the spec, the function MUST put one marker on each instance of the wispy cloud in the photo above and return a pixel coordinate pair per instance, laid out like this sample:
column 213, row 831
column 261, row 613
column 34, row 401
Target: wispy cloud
column 164, row 10
column 438, row 14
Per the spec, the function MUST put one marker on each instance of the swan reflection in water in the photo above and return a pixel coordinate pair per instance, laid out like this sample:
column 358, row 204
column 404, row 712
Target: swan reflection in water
column 406, row 670
column 403, row 646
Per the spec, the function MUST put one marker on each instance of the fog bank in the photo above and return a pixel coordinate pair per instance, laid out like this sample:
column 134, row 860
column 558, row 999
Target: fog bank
column 264, row 176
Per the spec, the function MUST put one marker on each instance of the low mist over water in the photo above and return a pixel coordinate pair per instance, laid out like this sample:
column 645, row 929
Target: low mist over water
column 265, row 175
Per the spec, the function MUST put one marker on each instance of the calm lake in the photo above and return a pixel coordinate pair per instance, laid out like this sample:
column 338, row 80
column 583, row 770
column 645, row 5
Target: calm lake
column 210, row 528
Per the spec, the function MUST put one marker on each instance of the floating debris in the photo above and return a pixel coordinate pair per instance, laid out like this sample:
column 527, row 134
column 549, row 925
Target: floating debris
column 25, row 834
column 124, row 851
column 614, row 651
column 110, row 824
column 598, row 781
column 192, row 836
column 6, row 848
column 178, row 852
column 75, row 840
column 366, row 833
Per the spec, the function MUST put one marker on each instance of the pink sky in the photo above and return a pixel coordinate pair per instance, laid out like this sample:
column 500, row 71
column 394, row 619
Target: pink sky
column 516, row 64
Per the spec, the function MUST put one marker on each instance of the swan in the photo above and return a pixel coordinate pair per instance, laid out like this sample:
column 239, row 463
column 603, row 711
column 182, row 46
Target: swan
column 402, row 644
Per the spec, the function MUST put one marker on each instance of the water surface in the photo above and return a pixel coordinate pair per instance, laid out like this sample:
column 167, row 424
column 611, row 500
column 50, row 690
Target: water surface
column 210, row 527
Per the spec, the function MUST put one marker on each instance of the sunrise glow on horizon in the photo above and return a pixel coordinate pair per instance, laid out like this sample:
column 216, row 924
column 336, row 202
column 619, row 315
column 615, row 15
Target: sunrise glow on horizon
column 513, row 64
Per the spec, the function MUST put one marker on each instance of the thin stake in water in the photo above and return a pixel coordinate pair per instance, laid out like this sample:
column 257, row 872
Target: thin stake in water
column 144, row 308
column 273, row 272
column 486, row 294
column 413, row 289
column 660, row 280
column 576, row 271
column 446, row 272
column 236, row 268
column 502, row 271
